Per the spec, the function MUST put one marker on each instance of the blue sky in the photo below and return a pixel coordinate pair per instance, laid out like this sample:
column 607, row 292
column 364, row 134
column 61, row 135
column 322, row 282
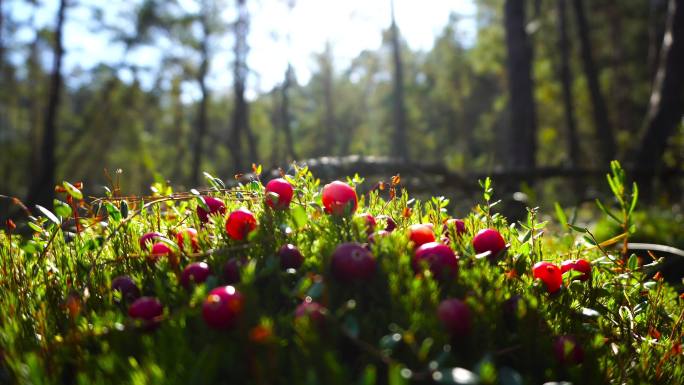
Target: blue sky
column 350, row 25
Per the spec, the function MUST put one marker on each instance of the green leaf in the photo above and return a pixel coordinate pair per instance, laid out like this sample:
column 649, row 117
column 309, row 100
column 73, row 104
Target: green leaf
column 299, row 216
column 113, row 211
column 61, row 208
column 202, row 203
column 633, row 262
column 560, row 214
column 577, row 228
column 635, row 198
column 52, row 217
column 35, row 227
column 72, row 190
column 394, row 376
column 606, row 211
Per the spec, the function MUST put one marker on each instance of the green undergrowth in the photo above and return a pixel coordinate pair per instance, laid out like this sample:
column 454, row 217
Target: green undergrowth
column 61, row 323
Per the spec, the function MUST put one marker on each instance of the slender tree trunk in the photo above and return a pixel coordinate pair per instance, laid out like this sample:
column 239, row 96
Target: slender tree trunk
column 400, row 146
column 240, row 115
column 521, row 141
column 202, row 110
column 655, row 33
column 286, row 119
column 603, row 128
column 566, row 81
column 42, row 189
column 666, row 105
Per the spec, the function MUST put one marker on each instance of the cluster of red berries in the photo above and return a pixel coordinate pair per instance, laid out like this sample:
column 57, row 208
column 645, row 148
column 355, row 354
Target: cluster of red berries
column 350, row 262
column 552, row 275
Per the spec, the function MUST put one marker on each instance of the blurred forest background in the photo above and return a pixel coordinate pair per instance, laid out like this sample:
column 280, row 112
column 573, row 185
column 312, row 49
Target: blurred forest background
column 523, row 88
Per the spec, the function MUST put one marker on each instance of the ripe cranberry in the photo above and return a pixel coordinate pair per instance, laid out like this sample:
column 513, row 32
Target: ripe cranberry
column 339, row 198
column 215, row 207
column 196, row 272
column 581, row 265
column 124, row 284
column 390, row 223
column 458, row 225
column 188, row 235
column 313, row 310
column 231, row 270
column 148, row 310
column 352, row 262
column 148, row 239
column 489, row 240
column 550, row 274
column 440, row 259
column 240, row 223
column 369, row 219
column 455, row 316
column 290, row 257
column 222, row 307
column 421, row 234
column 279, row 194
column 160, row 249
column 567, row 350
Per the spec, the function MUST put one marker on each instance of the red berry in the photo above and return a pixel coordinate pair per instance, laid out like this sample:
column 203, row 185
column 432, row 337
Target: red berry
column 421, row 234
column 188, row 235
column 550, row 274
column 231, row 270
column 124, row 284
column 390, row 223
column 222, row 307
column 313, row 310
column 441, row 260
column 215, row 207
column 581, row 265
column 160, row 249
column 196, row 272
column 339, row 198
column 369, row 220
column 279, row 194
column 489, row 240
column 240, row 223
column 458, row 224
column 352, row 262
column 148, row 239
column 567, row 350
column 148, row 310
column 455, row 316
column 290, row 257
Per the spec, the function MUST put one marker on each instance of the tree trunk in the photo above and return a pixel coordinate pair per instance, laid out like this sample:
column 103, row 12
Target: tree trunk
column 42, row 189
column 566, row 81
column 202, row 110
column 240, row 71
column 286, row 119
column 521, row 141
column 603, row 128
column 666, row 104
column 400, row 146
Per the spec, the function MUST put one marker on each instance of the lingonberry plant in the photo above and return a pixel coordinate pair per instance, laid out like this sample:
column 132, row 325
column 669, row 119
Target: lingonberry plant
column 86, row 298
